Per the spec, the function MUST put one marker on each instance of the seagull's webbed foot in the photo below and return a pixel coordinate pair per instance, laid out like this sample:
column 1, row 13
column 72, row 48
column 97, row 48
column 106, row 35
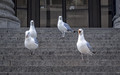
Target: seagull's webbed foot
column 62, row 37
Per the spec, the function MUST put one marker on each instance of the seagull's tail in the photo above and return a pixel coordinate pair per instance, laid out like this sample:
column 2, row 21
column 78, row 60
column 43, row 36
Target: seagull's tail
column 90, row 53
column 93, row 52
column 74, row 31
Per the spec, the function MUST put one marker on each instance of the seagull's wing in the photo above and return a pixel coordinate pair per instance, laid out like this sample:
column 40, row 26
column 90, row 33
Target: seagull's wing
column 36, row 41
column 90, row 49
column 67, row 27
column 89, row 46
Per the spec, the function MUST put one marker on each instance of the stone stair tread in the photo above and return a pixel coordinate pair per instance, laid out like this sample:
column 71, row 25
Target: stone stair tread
column 73, row 62
column 59, row 73
column 59, row 57
column 59, row 69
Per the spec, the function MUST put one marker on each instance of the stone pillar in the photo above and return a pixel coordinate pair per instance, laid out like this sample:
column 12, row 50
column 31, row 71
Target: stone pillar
column 116, row 18
column 7, row 15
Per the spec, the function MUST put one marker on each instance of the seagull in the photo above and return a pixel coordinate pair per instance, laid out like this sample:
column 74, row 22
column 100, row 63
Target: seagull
column 71, row 7
column 32, row 29
column 82, row 45
column 63, row 27
column 30, row 42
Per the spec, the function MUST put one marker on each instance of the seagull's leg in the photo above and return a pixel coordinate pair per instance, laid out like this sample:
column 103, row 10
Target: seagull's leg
column 63, row 34
column 82, row 56
column 32, row 52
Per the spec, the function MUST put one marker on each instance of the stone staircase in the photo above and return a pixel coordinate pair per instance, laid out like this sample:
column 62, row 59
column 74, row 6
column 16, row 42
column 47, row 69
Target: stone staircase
column 56, row 56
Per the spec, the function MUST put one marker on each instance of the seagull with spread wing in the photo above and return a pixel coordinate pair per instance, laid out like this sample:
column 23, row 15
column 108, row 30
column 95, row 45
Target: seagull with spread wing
column 63, row 27
column 82, row 45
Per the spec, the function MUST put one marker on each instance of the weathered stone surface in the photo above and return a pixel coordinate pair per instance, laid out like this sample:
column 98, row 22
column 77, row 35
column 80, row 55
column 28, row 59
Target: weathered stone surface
column 56, row 56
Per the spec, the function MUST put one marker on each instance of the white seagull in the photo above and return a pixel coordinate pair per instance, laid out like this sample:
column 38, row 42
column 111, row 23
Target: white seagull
column 30, row 42
column 32, row 29
column 63, row 27
column 82, row 45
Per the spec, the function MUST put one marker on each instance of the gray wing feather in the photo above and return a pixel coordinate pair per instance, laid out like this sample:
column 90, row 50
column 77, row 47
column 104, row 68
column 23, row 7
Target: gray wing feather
column 67, row 27
column 36, row 41
column 88, row 45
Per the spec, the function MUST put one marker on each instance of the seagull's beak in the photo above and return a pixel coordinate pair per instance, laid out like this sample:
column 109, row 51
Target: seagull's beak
column 79, row 31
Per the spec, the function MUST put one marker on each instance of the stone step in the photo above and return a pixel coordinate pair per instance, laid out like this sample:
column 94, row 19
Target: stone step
column 60, row 60
column 59, row 73
column 47, row 40
column 59, row 40
column 51, row 37
column 68, row 47
column 63, row 43
column 65, row 73
column 54, row 53
column 60, row 48
column 21, row 30
column 101, row 31
column 73, row 62
column 55, row 30
column 82, row 69
column 58, row 35
column 59, row 57
column 88, row 30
